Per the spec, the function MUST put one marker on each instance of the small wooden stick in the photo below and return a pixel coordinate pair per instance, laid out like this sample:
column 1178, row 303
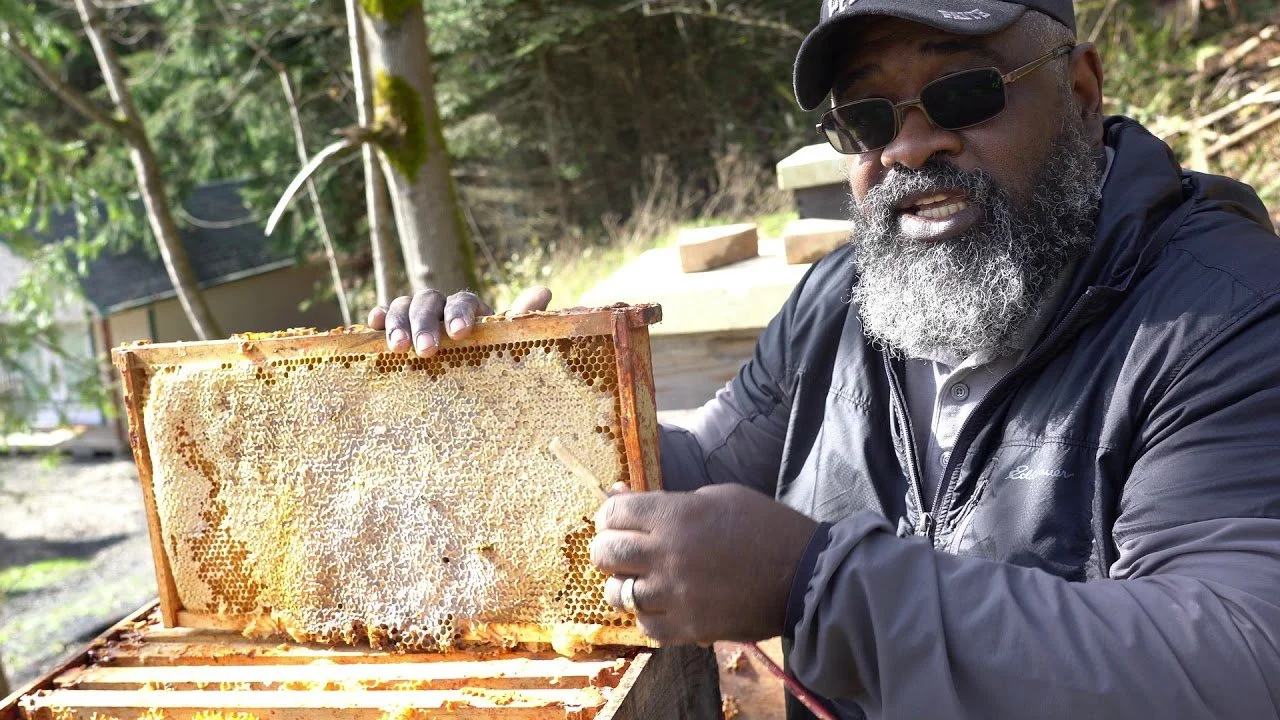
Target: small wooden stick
column 580, row 471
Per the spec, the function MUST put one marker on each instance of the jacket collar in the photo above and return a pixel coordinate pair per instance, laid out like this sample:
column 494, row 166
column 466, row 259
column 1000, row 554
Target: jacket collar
column 1136, row 217
column 1144, row 189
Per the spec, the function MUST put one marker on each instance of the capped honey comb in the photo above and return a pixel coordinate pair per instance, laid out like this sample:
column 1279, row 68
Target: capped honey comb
column 315, row 486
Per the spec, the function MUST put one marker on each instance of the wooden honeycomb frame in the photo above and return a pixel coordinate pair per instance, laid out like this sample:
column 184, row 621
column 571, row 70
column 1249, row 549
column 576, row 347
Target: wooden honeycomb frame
column 140, row 670
column 625, row 327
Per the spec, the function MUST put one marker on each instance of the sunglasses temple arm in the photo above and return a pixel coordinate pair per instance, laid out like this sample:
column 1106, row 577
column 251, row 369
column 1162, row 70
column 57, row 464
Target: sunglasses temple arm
column 1034, row 65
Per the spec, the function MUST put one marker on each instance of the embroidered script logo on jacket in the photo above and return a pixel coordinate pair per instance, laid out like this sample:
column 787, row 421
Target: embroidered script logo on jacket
column 1030, row 472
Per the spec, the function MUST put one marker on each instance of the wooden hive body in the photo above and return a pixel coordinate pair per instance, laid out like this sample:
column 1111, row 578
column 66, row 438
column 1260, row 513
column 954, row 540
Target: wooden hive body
column 140, row 670
column 317, row 487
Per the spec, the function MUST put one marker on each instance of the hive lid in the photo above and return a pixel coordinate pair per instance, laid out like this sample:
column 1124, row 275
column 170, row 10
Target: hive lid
column 316, row 486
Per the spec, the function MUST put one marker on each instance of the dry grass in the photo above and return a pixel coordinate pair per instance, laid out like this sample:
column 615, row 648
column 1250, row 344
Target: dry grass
column 741, row 192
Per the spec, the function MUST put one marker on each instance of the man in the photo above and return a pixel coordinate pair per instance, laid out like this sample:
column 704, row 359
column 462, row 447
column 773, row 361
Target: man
column 1013, row 452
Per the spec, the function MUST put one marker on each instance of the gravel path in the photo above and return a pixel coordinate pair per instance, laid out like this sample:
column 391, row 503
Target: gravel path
column 89, row 511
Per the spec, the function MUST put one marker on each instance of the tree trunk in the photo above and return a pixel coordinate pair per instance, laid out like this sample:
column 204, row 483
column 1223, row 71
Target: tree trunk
column 433, row 237
column 4, row 682
column 150, row 181
column 375, row 183
column 555, row 158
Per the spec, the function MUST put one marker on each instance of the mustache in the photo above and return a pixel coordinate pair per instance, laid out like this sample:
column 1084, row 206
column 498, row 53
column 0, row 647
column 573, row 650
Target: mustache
column 881, row 201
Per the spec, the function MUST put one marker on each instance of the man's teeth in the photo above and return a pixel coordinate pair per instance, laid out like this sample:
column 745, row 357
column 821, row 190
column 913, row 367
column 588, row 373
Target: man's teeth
column 935, row 213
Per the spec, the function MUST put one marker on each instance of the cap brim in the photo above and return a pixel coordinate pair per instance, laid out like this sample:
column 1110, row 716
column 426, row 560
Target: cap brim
column 815, row 67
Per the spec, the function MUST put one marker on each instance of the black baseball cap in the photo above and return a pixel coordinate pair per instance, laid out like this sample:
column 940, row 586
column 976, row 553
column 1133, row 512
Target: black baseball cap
column 815, row 63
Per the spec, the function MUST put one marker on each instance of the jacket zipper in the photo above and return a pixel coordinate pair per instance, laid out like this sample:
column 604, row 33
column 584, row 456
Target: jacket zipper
column 915, row 482
column 963, row 439
column 1167, row 227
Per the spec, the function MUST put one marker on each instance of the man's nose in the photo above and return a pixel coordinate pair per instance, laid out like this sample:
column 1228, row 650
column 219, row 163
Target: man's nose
column 918, row 140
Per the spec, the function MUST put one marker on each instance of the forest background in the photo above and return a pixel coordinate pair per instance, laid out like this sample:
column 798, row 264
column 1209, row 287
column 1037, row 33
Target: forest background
column 581, row 132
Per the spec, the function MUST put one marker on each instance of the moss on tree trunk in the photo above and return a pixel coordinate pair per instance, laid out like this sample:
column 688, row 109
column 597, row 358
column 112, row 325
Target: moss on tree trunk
column 398, row 113
column 388, row 11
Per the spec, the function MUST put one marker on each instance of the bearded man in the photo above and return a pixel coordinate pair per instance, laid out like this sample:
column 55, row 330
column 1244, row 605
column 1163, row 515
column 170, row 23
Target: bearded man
column 1015, row 451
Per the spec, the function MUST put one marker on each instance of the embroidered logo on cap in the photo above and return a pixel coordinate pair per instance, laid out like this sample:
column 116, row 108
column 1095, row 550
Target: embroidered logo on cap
column 974, row 14
column 838, row 6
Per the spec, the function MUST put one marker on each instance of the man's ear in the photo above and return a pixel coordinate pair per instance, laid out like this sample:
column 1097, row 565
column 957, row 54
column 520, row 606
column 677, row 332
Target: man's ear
column 1086, row 88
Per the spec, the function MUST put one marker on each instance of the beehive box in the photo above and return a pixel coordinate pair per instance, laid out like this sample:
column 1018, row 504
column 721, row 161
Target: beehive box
column 140, row 670
column 316, row 487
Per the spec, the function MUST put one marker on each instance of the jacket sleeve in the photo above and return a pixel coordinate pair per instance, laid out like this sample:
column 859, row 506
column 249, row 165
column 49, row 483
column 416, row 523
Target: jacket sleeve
column 738, row 436
column 1187, row 625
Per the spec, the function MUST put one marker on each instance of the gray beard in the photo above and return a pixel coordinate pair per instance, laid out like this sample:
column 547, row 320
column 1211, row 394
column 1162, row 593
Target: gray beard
column 976, row 292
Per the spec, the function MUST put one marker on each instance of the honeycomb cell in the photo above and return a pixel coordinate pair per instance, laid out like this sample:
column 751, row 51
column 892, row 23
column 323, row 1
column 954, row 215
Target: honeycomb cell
column 384, row 497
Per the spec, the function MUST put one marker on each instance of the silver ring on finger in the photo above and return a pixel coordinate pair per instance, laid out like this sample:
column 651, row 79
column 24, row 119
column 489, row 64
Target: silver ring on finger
column 629, row 596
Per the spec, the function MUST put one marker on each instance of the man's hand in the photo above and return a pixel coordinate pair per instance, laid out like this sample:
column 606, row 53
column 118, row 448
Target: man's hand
column 416, row 321
column 715, row 564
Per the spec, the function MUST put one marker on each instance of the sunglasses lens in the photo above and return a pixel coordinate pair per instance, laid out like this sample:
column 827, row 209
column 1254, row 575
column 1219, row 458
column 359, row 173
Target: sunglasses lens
column 964, row 99
column 860, row 127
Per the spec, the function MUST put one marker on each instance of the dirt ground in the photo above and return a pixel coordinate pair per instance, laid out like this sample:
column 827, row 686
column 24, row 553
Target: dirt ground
column 88, row 513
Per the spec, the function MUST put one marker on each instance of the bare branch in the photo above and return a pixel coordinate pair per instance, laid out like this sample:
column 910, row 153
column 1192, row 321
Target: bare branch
column 112, row 73
column 122, row 4
column 234, row 96
column 377, row 202
column 300, row 141
column 1244, row 133
column 150, row 178
column 330, row 153
column 1102, row 20
column 215, row 224
column 713, row 13
column 62, row 89
column 4, row 683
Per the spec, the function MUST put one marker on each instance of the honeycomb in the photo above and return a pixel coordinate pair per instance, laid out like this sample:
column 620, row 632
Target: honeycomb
column 344, row 497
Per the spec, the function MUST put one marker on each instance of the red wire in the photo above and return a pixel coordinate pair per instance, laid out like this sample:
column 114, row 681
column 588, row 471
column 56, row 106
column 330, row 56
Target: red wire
column 806, row 698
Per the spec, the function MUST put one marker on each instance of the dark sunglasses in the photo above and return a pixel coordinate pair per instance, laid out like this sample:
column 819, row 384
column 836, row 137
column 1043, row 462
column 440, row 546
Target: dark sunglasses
column 952, row 102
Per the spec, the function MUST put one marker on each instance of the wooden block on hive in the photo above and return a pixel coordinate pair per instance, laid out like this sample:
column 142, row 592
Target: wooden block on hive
column 315, row 486
column 712, row 247
column 140, row 670
column 811, row 239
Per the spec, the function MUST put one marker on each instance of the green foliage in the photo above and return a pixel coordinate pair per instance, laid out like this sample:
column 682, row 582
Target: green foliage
column 1169, row 76
column 37, row 575
column 554, row 108
column 397, row 105
column 36, row 355
column 213, row 110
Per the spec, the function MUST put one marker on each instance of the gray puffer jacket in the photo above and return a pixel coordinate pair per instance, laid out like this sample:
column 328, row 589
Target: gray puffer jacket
column 1108, row 543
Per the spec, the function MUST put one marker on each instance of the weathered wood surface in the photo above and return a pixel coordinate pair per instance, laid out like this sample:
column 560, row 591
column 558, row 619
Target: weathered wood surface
column 134, row 381
column 9, row 705
column 810, row 239
column 486, row 633
column 750, row 692
column 489, row 331
column 689, row 369
column 139, row 669
column 708, row 248
column 637, row 408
